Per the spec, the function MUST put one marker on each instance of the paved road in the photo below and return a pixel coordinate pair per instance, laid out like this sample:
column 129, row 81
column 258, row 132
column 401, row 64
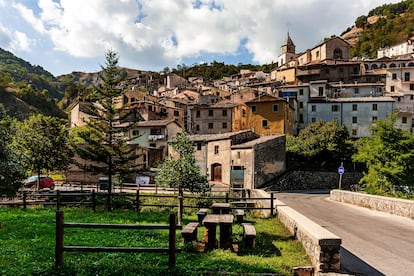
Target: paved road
column 373, row 243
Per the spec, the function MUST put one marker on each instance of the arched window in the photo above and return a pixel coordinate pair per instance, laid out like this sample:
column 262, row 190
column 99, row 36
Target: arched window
column 366, row 66
column 383, row 66
column 337, row 53
column 392, row 65
column 411, row 64
column 374, row 66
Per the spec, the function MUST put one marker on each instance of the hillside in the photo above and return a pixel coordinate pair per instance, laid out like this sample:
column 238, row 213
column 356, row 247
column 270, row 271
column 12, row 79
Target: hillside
column 27, row 89
column 386, row 25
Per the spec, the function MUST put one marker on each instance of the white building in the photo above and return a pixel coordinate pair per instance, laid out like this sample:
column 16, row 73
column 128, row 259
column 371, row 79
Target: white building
column 397, row 50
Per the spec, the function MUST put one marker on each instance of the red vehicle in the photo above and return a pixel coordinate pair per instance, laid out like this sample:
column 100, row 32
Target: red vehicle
column 45, row 182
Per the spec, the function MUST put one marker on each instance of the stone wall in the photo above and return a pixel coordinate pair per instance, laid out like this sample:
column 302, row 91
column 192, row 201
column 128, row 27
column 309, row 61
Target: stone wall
column 321, row 245
column 396, row 206
column 308, row 180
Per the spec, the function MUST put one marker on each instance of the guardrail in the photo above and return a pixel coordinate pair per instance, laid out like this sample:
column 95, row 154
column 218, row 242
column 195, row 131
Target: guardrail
column 60, row 248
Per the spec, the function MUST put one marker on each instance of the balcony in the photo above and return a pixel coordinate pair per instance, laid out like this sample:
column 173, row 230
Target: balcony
column 156, row 137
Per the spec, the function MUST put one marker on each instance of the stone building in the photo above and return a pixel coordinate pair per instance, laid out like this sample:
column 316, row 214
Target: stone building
column 240, row 159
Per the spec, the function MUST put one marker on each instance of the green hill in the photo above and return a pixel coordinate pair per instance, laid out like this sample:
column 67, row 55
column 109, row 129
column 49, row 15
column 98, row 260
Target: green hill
column 26, row 89
column 386, row 25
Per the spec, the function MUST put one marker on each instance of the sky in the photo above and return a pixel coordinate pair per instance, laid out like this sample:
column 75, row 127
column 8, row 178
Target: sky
column 74, row 35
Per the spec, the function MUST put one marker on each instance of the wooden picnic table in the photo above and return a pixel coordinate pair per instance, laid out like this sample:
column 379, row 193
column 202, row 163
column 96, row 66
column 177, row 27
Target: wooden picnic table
column 225, row 222
column 220, row 208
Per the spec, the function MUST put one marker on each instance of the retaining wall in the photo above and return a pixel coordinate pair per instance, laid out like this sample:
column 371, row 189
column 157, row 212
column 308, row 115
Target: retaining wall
column 396, row 206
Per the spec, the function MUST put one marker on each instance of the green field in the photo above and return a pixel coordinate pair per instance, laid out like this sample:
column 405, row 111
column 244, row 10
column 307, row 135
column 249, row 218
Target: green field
column 27, row 244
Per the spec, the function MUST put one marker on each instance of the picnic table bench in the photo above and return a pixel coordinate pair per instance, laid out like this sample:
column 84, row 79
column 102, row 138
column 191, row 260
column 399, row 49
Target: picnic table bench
column 249, row 235
column 189, row 232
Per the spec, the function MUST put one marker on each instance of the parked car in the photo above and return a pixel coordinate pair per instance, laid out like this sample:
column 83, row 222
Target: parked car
column 45, row 182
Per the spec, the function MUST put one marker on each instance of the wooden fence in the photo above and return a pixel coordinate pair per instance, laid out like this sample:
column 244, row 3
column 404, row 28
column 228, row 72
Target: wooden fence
column 61, row 225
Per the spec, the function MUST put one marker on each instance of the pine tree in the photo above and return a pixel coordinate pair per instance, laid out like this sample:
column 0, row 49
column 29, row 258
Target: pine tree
column 106, row 135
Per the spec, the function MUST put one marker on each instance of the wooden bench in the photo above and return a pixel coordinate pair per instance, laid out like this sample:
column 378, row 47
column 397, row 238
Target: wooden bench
column 249, row 235
column 239, row 213
column 189, row 232
column 201, row 214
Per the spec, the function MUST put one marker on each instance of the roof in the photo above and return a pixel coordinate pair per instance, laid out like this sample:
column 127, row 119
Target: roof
column 261, row 139
column 266, row 98
column 215, row 137
column 156, row 123
column 355, row 99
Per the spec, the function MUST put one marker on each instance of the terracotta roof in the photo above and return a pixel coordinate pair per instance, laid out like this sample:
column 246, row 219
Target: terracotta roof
column 156, row 123
column 259, row 140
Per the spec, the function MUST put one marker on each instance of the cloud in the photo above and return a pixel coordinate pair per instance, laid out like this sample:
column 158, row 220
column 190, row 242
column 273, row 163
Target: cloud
column 154, row 34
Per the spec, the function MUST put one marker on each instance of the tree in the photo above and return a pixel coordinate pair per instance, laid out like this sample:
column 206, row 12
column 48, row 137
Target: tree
column 321, row 141
column 389, row 158
column 11, row 170
column 105, row 137
column 182, row 172
column 42, row 144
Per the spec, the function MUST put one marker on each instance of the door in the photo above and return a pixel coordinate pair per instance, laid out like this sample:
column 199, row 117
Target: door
column 216, row 169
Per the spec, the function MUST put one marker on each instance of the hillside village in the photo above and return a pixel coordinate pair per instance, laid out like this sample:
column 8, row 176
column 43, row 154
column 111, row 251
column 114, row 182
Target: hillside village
column 238, row 122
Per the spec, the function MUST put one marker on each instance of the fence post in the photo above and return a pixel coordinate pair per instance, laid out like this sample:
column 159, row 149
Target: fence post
column 59, row 237
column 227, row 197
column 271, row 205
column 24, row 199
column 172, row 241
column 57, row 200
column 180, row 209
column 93, row 200
column 137, row 201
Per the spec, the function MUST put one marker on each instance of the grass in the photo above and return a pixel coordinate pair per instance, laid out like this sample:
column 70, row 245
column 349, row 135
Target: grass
column 27, row 241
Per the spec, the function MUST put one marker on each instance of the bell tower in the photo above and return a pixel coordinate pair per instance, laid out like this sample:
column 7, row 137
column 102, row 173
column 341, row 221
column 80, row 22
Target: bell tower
column 288, row 51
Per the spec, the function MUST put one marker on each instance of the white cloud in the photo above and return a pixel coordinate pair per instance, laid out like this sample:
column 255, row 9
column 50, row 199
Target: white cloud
column 152, row 34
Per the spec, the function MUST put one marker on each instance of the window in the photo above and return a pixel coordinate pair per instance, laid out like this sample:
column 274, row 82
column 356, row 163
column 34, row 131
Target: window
column 254, row 108
column 335, row 108
column 135, row 132
column 301, row 92
column 155, row 131
column 354, row 107
column 224, row 113
column 392, row 88
column 407, row 76
column 374, row 107
column 313, row 108
column 341, row 70
column 300, row 104
column 327, row 70
column 198, row 146
column 394, row 76
column 356, row 91
column 198, row 114
column 354, row 132
column 300, row 118
column 210, row 112
column 317, row 54
column 374, row 119
column 354, row 120
column 411, row 97
column 197, row 127
column 411, row 86
column 320, row 90
column 244, row 112
column 176, row 113
column 153, row 145
column 404, row 120
column 275, row 108
column 399, row 99
column 216, row 149
column 264, row 123
column 238, row 155
column 313, row 119
column 150, row 107
column 224, row 125
column 210, row 125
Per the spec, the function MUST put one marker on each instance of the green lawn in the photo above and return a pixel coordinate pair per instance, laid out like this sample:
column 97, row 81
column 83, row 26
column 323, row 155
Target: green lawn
column 27, row 242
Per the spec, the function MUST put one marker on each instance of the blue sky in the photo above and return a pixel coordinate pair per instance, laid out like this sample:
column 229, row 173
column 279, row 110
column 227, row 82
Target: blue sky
column 73, row 35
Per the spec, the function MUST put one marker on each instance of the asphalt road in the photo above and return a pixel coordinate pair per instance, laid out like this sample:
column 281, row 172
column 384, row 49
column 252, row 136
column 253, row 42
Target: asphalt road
column 373, row 243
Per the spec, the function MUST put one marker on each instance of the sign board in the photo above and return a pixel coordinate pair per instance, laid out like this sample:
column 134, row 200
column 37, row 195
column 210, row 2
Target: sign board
column 284, row 94
column 142, row 180
column 341, row 170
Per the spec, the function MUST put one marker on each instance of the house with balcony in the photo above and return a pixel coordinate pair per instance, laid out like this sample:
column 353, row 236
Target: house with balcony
column 152, row 139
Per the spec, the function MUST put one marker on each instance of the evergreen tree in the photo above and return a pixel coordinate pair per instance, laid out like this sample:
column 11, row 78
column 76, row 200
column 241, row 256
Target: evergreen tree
column 105, row 137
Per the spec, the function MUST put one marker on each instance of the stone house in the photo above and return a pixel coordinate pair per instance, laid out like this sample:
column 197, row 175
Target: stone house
column 270, row 115
column 240, row 159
